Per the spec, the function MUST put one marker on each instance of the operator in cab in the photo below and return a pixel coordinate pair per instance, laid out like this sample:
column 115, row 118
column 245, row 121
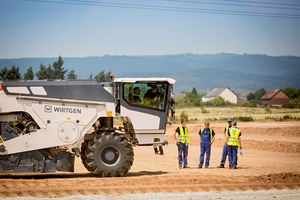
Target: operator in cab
column 152, row 96
column 136, row 95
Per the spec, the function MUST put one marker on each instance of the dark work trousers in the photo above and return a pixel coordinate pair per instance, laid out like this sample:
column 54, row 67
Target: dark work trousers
column 182, row 154
column 232, row 156
column 224, row 154
column 205, row 147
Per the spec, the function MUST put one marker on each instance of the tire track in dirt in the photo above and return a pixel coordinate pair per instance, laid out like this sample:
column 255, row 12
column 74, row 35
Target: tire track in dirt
column 154, row 184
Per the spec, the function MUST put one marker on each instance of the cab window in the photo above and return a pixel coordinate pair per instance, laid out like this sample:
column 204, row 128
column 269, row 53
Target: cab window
column 146, row 95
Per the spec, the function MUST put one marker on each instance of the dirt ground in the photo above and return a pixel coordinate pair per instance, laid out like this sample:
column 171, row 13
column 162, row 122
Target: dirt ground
column 271, row 160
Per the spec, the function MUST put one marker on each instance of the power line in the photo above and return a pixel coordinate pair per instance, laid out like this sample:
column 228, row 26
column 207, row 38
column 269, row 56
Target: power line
column 169, row 8
column 259, row 2
column 230, row 4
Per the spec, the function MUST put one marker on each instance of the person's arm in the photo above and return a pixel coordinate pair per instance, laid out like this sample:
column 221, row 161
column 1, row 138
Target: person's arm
column 174, row 135
column 213, row 137
column 225, row 133
column 200, row 138
column 240, row 142
column 227, row 136
column 175, row 138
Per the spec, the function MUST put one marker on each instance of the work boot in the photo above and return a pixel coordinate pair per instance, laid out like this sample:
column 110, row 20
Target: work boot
column 180, row 167
column 186, row 167
column 221, row 166
column 206, row 166
column 199, row 166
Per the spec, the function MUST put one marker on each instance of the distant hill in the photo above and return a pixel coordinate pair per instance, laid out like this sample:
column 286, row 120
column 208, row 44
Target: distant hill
column 239, row 72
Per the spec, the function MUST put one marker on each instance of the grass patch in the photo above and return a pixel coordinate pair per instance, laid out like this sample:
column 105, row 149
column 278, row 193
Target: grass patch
column 245, row 119
column 284, row 118
column 203, row 110
column 220, row 114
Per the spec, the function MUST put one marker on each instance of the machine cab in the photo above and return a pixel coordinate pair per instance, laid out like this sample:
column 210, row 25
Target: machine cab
column 143, row 106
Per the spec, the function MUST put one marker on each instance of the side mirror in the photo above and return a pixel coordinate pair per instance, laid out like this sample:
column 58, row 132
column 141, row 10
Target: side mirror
column 172, row 112
column 172, row 102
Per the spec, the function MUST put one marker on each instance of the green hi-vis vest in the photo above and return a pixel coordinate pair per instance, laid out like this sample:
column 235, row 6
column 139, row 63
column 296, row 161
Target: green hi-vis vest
column 135, row 95
column 146, row 101
column 183, row 136
column 210, row 130
column 233, row 139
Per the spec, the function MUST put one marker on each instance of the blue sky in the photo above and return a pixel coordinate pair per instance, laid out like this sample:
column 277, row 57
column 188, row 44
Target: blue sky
column 36, row 29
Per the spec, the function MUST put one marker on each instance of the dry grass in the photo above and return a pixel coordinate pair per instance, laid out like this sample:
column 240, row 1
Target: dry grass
column 221, row 113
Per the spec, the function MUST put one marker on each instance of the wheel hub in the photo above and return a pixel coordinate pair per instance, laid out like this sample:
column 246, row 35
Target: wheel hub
column 110, row 155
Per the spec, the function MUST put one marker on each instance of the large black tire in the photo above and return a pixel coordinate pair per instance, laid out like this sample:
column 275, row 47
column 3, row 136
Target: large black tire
column 84, row 147
column 109, row 154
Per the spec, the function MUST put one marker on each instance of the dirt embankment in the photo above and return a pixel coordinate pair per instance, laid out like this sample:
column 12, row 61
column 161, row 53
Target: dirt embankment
column 271, row 161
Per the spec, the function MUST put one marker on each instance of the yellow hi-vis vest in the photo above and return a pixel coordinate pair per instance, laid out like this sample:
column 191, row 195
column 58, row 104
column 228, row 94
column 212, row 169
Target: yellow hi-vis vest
column 210, row 130
column 183, row 136
column 233, row 139
column 135, row 95
column 226, row 128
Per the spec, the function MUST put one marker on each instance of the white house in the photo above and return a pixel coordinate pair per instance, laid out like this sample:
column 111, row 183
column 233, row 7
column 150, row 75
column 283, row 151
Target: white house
column 223, row 92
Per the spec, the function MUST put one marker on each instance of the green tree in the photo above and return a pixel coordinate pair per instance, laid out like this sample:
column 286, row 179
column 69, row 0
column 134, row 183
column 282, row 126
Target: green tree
column 91, row 76
column 292, row 93
column 3, row 73
column 102, row 76
column 194, row 91
column 259, row 93
column 251, row 96
column 29, row 74
column 71, row 75
column 58, row 70
column 13, row 73
column 44, row 73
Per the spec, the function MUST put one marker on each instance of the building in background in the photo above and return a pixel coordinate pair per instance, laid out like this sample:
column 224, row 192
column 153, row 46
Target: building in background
column 242, row 96
column 274, row 98
column 223, row 92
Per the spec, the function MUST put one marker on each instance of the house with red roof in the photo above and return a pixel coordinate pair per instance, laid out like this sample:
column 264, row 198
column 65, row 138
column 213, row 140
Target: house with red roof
column 274, row 98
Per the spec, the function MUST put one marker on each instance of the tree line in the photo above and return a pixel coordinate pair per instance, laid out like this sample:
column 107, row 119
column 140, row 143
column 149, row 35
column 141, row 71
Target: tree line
column 56, row 71
column 193, row 98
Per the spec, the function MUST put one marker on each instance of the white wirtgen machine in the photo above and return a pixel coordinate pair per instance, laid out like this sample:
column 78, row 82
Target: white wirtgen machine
column 45, row 124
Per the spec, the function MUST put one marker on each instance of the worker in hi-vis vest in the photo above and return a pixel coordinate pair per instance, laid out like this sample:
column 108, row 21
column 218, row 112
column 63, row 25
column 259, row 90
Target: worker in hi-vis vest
column 182, row 142
column 207, row 137
column 225, row 151
column 136, row 95
column 233, row 142
column 152, row 96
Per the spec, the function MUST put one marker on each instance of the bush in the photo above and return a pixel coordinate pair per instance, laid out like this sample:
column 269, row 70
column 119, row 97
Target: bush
column 289, row 105
column 196, row 103
column 203, row 110
column 246, row 118
column 285, row 117
column 183, row 114
column 247, row 104
column 295, row 102
column 268, row 110
column 218, row 101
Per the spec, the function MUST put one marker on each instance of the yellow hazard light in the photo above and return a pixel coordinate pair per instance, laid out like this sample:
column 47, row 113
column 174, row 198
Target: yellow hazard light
column 109, row 113
column 1, row 141
column 68, row 118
